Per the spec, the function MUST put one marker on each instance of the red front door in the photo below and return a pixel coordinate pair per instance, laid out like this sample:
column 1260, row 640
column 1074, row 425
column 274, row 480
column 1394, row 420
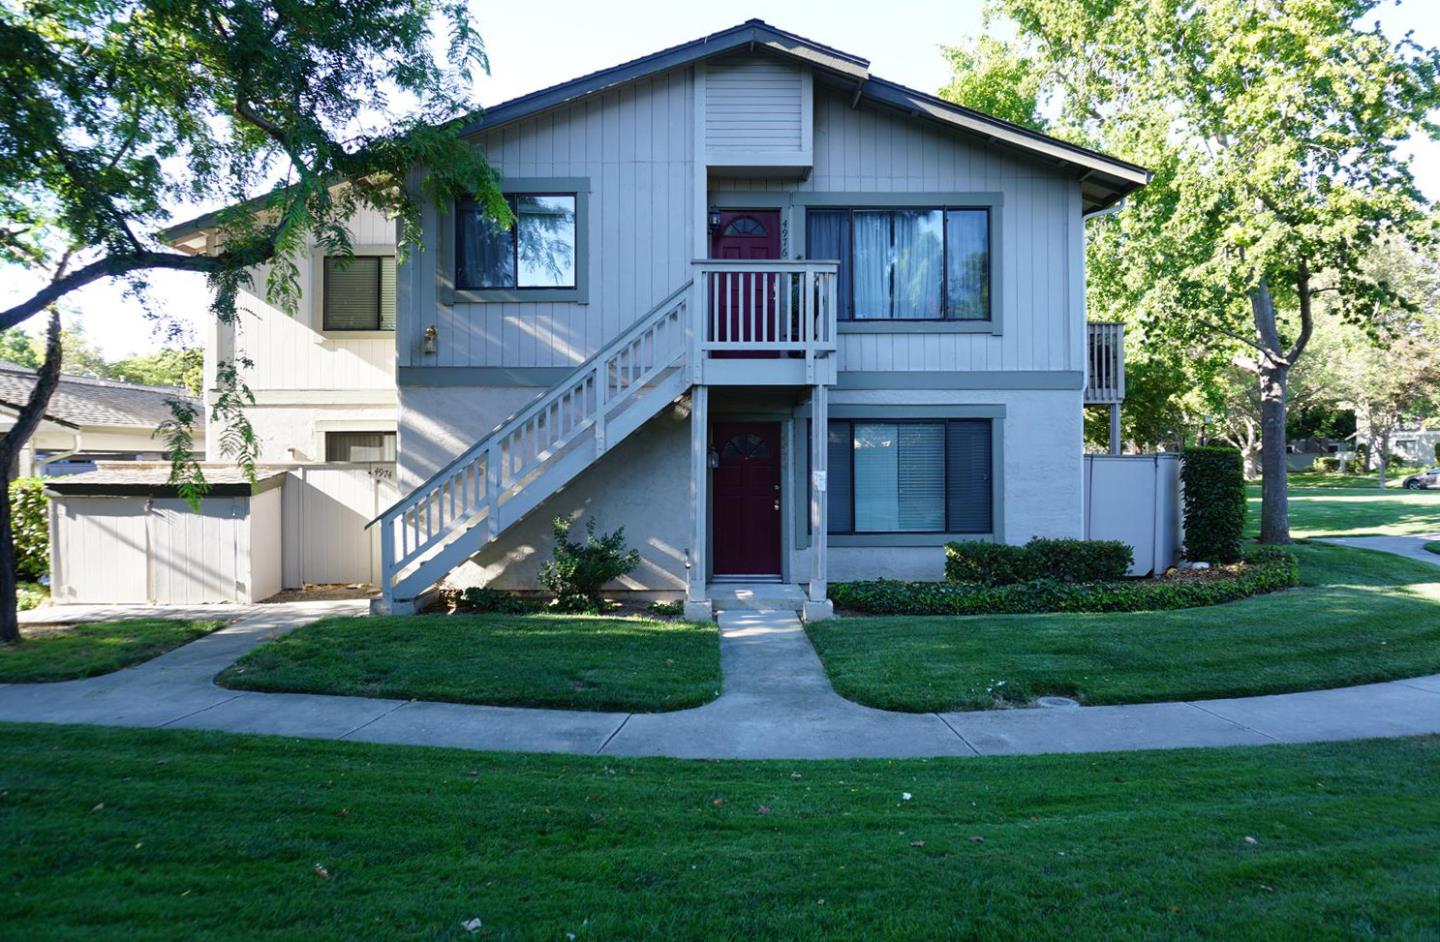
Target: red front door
column 746, row 498
column 748, row 301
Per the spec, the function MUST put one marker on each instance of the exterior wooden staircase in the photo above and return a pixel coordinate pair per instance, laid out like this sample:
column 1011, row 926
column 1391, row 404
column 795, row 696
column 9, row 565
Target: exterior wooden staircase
column 784, row 308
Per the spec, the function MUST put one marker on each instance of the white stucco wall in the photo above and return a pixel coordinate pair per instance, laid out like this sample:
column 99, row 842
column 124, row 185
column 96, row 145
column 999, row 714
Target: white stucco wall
column 295, row 432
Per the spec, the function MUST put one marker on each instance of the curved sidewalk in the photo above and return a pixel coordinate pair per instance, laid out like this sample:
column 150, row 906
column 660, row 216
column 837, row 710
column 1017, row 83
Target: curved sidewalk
column 777, row 703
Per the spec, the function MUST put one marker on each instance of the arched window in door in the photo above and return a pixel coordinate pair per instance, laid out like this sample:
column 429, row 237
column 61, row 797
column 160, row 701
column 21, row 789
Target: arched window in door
column 744, row 226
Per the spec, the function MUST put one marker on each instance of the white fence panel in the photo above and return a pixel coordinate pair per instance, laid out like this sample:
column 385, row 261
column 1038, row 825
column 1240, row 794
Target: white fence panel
column 1136, row 499
column 325, row 511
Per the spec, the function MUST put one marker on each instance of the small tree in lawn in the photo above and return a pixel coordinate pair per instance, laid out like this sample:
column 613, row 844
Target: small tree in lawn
column 297, row 112
column 1272, row 131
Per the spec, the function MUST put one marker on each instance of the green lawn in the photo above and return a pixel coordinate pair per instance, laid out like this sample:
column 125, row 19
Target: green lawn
column 87, row 650
column 157, row 835
column 1360, row 616
column 1336, row 511
column 567, row 661
column 1394, row 477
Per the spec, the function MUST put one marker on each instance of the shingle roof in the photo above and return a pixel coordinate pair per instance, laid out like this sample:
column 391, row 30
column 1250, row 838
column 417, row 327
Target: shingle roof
column 152, row 479
column 1107, row 179
column 86, row 401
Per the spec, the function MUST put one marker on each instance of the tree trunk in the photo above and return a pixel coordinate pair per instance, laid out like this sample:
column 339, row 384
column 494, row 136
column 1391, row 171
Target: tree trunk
column 1274, row 481
column 26, row 419
column 1384, row 455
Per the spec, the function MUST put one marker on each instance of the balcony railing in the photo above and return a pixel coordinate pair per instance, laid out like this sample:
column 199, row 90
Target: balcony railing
column 1105, row 375
column 762, row 307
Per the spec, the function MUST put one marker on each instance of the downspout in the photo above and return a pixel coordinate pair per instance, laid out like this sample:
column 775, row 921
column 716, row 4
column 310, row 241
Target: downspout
column 40, row 463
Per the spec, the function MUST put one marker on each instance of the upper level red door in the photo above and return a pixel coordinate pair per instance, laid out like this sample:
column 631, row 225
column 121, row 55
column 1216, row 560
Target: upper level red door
column 748, row 303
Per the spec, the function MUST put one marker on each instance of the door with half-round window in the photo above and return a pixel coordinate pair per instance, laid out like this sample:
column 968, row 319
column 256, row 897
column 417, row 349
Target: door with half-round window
column 745, row 497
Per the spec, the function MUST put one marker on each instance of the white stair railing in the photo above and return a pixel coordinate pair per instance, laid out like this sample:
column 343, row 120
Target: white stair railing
column 473, row 489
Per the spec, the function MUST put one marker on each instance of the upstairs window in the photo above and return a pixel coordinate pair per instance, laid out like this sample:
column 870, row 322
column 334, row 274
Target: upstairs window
column 359, row 292
column 359, row 447
column 536, row 251
column 906, row 264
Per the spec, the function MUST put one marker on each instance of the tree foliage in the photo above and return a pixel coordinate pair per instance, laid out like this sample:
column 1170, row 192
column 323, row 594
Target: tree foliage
column 293, row 112
column 1271, row 129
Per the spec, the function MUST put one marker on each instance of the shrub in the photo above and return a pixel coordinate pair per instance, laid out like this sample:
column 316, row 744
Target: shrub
column 30, row 526
column 986, row 563
column 486, row 599
column 1326, row 465
column 1079, row 560
column 28, row 595
column 1437, row 452
column 676, row 607
column 1214, row 480
column 994, row 564
column 1265, row 570
column 577, row 573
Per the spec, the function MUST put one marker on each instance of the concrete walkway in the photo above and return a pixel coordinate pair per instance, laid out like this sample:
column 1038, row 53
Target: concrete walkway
column 777, row 703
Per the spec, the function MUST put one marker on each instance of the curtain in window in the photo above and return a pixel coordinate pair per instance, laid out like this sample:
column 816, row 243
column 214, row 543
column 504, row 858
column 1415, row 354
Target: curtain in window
column 921, row 478
column 877, row 478
column 969, row 492
column 967, row 232
column 827, row 236
column 918, row 252
column 873, row 264
column 353, row 292
column 387, row 292
column 546, row 228
column 899, row 477
column 838, row 480
column 485, row 251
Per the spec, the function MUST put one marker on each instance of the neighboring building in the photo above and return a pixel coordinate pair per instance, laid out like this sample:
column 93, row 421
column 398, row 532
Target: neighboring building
column 89, row 420
column 781, row 319
column 324, row 375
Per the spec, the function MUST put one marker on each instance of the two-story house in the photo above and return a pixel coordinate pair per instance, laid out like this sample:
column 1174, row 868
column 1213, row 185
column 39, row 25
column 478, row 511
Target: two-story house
column 783, row 320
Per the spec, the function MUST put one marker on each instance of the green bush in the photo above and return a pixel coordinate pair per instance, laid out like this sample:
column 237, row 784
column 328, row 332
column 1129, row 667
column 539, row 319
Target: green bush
column 30, row 525
column 1079, row 560
column 28, row 595
column 485, row 599
column 995, row 564
column 577, row 573
column 1265, row 570
column 1326, row 465
column 985, row 563
column 1437, row 452
column 1214, row 480
column 675, row 607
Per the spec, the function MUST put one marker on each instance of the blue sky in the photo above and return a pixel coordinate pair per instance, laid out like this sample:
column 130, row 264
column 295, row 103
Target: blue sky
column 535, row 44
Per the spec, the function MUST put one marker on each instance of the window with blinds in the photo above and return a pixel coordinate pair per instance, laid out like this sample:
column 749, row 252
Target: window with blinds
column 360, row 293
column 358, row 447
column 902, row 476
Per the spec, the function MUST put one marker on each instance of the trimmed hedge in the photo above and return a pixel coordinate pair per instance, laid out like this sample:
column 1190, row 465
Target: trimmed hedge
column 1214, row 480
column 997, row 564
column 1266, row 570
column 989, row 564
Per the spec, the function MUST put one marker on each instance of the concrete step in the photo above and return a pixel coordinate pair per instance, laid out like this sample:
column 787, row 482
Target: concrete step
column 757, row 596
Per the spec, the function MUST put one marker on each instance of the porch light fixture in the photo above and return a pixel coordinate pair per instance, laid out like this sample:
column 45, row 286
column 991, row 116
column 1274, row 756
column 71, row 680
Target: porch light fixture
column 430, row 341
column 713, row 458
column 714, row 218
